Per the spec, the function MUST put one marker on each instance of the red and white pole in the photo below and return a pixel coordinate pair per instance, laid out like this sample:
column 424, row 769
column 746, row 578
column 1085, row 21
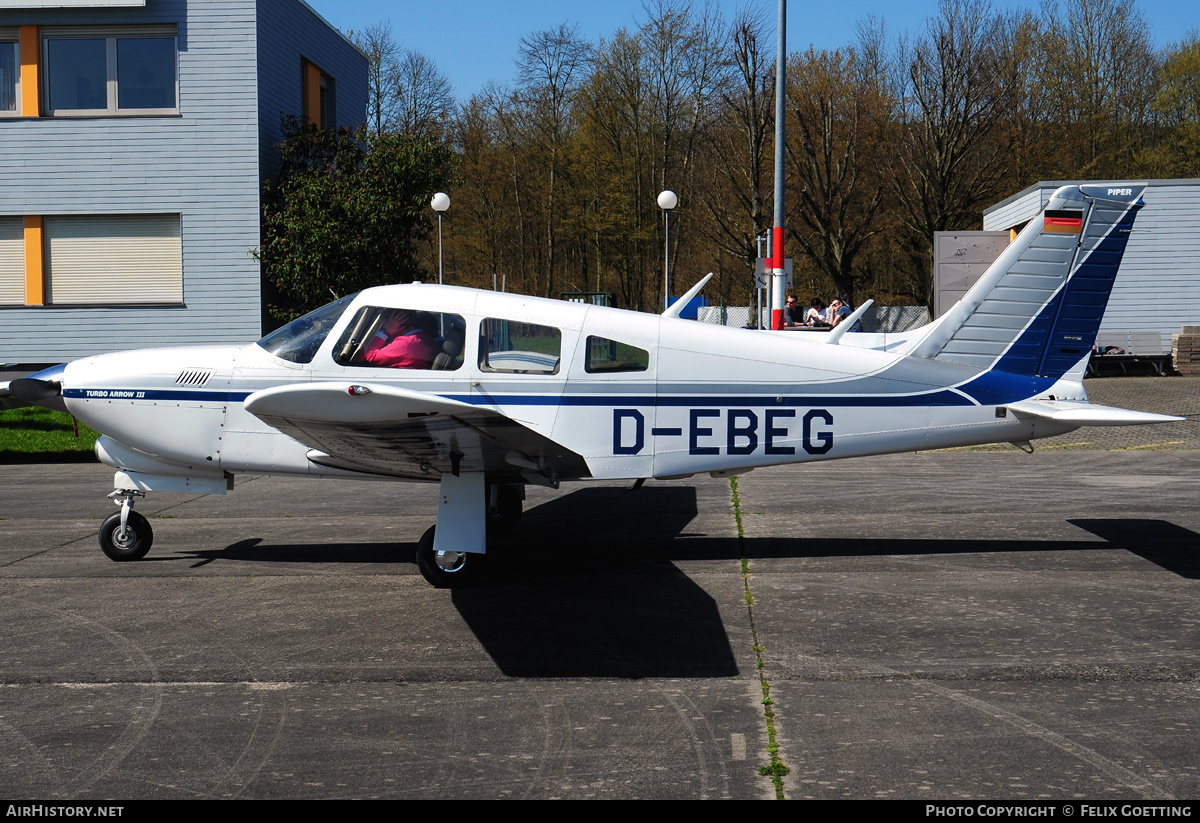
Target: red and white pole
column 778, row 273
column 778, row 278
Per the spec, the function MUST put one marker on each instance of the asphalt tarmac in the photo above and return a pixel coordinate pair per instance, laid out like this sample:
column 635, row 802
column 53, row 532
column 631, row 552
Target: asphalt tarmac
column 950, row 625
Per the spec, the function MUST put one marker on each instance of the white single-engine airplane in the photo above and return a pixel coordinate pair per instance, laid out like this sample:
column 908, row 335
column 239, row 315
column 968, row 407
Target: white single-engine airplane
column 528, row 390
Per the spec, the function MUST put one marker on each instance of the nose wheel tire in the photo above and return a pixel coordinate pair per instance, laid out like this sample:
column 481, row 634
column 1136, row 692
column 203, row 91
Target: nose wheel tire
column 133, row 544
column 449, row 569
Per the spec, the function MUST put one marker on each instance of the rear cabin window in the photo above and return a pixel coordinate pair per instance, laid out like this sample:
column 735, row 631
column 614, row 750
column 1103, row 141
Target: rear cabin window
column 400, row 338
column 519, row 348
column 604, row 355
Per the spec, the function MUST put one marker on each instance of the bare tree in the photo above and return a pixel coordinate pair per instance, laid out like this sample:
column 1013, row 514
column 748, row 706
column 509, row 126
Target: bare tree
column 837, row 106
column 1101, row 72
column 381, row 50
column 737, row 198
column 550, row 67
column 950, row 161
column 406, row 92
column 504, row 109
column 485, row 201
column 1028, row 139
column 615, row 117
column 423, row 98
column 684, row 69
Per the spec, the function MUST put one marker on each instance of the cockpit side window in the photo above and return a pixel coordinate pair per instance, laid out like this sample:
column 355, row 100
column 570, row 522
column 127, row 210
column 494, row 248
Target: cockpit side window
column 401, row 338
column 519, row 348
column 299, row 340
column 604, row 356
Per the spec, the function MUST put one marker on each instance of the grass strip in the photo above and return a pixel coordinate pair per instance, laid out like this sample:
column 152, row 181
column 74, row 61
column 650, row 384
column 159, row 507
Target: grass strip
column 36, row 435
column 777, row 768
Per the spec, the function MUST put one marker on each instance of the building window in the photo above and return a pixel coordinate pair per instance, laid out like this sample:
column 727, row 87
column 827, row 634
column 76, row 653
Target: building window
column 96, row 71
column 113, row 259
column 317, row 96
column 328, row 113
column 146, row 73
column 12, row 261
column 10, row 76
column 77, row 72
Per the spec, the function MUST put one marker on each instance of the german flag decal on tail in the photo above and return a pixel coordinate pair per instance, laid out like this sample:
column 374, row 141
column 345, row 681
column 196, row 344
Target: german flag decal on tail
column 1064, row 221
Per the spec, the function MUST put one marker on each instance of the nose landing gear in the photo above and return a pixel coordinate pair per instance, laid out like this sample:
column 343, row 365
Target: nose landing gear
column 125, row 535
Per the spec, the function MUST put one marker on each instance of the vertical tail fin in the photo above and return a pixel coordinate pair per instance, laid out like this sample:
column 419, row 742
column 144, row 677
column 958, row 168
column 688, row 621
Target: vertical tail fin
column 1036, row 311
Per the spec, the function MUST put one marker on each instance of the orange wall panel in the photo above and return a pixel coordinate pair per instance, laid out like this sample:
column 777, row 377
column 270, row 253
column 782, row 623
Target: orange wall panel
column 312, row 93
column 35, row 279
column 30, row 80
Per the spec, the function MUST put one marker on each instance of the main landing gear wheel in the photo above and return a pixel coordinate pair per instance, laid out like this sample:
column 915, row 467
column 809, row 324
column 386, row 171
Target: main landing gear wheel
column 449, row 569
column 504, row 514
column 133, row 544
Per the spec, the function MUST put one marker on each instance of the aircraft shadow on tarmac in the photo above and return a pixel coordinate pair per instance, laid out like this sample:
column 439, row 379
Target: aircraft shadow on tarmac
column 589, row 531
column 587, row 586
column 619, row 531
column 1161, row 542
column 588, row 590
column 658, row 625
column 584, row 588
column 1172, row 547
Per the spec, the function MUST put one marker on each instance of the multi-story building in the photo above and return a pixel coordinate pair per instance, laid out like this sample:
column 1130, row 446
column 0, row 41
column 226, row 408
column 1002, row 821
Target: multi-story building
column 135, row 137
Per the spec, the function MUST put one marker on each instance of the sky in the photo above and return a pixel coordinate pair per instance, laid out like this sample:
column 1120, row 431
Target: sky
column 475, row 41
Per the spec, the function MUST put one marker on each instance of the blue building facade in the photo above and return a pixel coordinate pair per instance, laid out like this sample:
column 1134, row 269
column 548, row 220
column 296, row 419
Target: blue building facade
column 135, row 137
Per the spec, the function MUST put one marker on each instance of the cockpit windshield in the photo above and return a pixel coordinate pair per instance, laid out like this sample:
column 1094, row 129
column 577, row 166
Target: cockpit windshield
column 299, row 340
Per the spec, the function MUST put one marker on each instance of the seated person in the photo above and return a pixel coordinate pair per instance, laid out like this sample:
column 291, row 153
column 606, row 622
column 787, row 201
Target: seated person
column 401, row 344
column 817, row 316
column 792, row 316
column 839, row 311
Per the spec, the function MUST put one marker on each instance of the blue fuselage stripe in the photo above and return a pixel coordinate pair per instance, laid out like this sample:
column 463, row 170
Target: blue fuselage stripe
column 188, row 395
column 935, row 398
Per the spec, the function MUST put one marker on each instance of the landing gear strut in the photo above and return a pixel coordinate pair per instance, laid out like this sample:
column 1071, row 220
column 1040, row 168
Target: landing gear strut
column 470, row 512
column 126, row 535
column 504, row 509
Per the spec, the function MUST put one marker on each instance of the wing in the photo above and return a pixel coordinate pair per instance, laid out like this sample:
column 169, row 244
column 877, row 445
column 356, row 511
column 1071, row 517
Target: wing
column 396, row 432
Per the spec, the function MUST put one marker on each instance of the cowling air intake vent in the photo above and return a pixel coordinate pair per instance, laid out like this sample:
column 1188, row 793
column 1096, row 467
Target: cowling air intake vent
column 193, row 377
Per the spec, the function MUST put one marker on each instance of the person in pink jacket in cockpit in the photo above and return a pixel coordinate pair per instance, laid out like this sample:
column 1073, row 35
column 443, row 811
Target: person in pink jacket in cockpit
column 401, row 344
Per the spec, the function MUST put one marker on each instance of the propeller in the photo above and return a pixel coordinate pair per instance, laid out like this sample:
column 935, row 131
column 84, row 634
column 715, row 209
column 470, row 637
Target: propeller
column 43, row 388
column 35, row 391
